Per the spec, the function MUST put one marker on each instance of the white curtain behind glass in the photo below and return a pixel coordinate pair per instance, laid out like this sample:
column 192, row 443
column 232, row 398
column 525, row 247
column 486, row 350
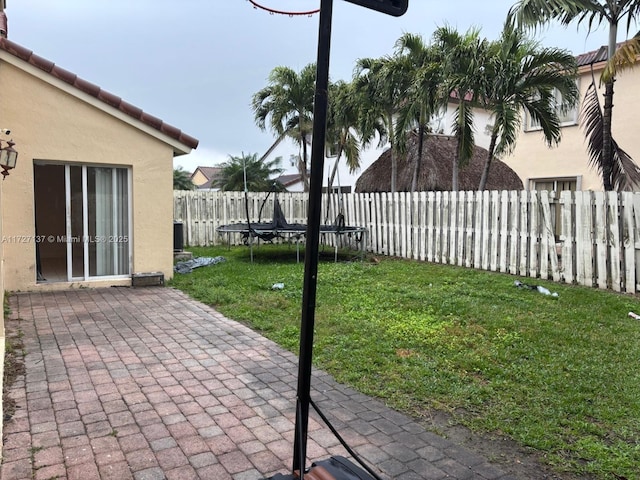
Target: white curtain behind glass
column 121, row 222
column 104, row 212
column 110, row 246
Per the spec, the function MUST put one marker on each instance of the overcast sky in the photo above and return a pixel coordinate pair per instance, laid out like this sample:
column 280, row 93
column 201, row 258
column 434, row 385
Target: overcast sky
column 196, row 63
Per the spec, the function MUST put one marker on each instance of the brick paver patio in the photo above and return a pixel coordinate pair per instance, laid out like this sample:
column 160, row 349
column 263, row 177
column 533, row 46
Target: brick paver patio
column 148, row 384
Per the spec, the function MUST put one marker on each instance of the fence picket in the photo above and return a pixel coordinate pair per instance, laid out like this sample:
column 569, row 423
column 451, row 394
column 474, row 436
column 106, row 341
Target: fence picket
column 412, row 225
column 379, row 226
column 513, row 232
column 547, row 238
column 504, row 232
column 524, row 228
column 431, row 220
column 613, row 240
column 480, row 260
column 469, row 229
column 493, row 237
column 533, row 257
column 460, row 227
column 446, row 226
column 370, row 216
column 628, row 246
column 636, row 235
column 567, row 236
column 453, row 228
column 397, row 224
column 599, row 232
column 387, row 225
column 401, row 227
column 421, row 240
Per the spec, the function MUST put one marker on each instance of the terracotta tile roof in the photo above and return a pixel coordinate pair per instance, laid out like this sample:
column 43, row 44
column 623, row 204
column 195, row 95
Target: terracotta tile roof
column 95, row 91
column 595, row 56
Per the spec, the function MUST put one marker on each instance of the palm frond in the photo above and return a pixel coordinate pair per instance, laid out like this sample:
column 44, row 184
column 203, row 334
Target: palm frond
column 591, row 119
column 508, row 122
column 463, row 130
column 625, row 173
column 286, row 104
column 351, row 149
column 542, row 111
column 537, row 13
column 632, row 12
column 182, row 180
column 625, row 58
column 259, row 174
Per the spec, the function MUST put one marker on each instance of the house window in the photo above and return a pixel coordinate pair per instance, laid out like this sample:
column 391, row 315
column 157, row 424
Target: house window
column 555, row 184
column 567, row 116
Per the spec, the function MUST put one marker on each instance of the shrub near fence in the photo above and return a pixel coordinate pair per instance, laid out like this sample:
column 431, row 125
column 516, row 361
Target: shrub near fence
column 588, row 238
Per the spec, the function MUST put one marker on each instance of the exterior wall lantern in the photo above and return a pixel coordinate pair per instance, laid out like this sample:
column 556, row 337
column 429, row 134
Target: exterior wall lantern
column 8, row 158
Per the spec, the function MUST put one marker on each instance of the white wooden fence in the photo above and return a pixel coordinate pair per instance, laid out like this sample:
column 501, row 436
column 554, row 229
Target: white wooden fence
column 588, row 238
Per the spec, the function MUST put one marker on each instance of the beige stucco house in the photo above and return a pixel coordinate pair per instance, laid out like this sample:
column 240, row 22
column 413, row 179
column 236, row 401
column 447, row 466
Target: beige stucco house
column 204, row 177
column 91, row 200
column 566, row 167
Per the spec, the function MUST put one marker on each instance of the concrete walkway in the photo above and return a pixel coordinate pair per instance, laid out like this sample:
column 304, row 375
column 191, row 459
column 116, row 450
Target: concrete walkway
column 148, row 384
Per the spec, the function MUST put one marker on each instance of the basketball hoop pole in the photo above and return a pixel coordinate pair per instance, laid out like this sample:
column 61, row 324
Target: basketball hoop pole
column 313, row 239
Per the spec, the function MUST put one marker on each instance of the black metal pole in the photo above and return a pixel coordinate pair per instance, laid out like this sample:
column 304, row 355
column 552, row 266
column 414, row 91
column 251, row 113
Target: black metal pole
column 313, row 238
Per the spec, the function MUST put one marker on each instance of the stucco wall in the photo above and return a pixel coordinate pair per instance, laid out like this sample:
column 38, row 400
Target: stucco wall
column 198, row 178
column 533, row 159
column 51, row 125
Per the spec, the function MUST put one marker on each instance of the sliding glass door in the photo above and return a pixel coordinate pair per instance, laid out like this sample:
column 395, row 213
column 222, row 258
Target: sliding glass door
column 98, row 222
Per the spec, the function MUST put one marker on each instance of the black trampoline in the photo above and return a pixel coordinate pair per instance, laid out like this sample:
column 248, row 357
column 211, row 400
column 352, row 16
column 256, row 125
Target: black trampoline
column 279, row 228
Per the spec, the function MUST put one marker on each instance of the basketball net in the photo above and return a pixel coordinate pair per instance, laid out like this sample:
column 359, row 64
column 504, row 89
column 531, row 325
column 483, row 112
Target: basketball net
column 274, row 11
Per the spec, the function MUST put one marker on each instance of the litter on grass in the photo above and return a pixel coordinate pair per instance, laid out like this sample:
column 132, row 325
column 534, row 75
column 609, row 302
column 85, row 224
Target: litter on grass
column 634, row 315
column 538, row 288
column 188, row 266
column 277, row 286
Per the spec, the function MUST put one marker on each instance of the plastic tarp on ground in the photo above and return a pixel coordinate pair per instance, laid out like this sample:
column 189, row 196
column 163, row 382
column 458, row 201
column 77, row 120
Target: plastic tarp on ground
column 188, row 266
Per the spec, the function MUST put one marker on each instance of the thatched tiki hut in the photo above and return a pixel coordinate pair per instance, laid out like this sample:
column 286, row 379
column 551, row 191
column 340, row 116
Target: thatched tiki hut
column 435, row 173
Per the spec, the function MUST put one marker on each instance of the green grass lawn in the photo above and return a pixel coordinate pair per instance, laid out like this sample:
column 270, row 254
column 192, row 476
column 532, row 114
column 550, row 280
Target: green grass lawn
column 560, row 375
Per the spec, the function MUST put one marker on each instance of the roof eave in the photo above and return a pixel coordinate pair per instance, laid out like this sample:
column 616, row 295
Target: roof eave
column 46, row 71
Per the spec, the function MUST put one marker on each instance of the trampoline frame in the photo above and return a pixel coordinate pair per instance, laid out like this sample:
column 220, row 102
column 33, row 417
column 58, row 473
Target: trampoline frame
column 296, row 231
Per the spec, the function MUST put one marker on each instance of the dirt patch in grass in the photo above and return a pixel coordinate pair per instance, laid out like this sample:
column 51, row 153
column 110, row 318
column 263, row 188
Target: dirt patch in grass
column 13, row 367
column 522, row 463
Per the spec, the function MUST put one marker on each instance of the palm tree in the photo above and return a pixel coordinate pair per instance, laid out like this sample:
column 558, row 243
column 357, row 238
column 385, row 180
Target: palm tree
column 286, row 107
column 258, row 175
column 625, row 173
column 464, row 58
column 422, row 64
column 380, row 85
column 182, row 180
column 523, row 76
column 593, row 13
column 342, row 123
